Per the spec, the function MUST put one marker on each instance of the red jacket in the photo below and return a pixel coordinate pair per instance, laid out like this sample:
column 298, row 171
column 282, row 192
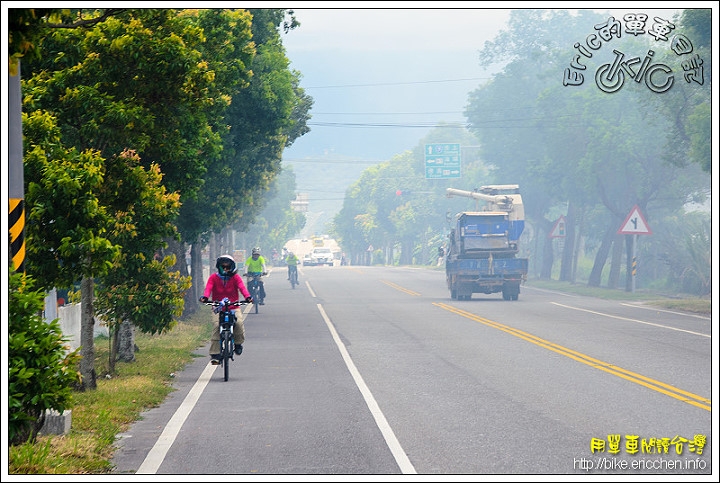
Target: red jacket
column 217, row 288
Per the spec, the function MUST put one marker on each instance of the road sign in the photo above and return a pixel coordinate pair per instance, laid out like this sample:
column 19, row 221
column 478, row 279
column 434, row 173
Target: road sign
column 558, row 230
column 442, row 161
column 635, row 224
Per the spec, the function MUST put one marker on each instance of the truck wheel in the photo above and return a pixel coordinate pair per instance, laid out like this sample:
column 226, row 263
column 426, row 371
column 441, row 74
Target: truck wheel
column 453, row 294
column 510, row 292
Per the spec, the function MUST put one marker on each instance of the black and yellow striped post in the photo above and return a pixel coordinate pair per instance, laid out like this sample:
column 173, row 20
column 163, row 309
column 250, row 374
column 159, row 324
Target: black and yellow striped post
column 16, row 179
column 16, row 223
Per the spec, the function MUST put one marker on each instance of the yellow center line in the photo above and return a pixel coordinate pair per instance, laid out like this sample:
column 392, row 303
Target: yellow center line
column 658, row 386
column 398, row 287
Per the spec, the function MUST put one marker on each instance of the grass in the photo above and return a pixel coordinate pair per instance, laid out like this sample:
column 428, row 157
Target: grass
column 99, row 416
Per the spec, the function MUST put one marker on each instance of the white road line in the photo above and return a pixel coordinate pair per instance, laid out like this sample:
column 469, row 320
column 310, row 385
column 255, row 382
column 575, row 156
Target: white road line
column 400, row 456
column 312, row 292
column 155, row 457
column 684, row 314
column 632, row 320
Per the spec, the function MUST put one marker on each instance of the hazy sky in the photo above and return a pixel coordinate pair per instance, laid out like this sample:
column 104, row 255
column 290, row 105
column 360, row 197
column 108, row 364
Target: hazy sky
column 381, row 77
column 395, row 29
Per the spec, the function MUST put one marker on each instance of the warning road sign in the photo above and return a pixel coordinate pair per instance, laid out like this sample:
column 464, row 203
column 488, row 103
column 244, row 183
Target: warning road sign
column 635, row 224
column 558, row 230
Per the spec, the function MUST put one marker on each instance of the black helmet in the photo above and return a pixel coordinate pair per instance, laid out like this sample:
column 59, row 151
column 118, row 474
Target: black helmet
column 256, row 250
column 225, row 260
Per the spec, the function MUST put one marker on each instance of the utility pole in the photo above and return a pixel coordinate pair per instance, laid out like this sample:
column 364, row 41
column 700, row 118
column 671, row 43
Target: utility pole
column 16, row 189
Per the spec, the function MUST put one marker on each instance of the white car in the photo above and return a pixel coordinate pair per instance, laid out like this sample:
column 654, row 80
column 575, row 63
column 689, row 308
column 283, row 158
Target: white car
column 308, row 261
column 321, row 256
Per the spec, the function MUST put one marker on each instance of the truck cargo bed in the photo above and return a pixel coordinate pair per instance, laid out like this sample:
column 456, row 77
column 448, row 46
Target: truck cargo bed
column 485, row 275
column 487, row 266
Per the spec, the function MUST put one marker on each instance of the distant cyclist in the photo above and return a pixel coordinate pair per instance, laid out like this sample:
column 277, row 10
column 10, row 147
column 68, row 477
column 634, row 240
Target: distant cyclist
column 226, row 283
column 292, row 261
column 255, row 265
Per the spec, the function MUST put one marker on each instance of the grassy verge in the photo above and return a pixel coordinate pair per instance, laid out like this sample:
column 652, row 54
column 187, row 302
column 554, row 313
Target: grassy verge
column 685, row 303
column 99, row 415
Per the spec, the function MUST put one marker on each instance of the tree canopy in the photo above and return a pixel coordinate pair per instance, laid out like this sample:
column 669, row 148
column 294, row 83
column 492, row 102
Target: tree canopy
column 155, row 125
column 575, row 151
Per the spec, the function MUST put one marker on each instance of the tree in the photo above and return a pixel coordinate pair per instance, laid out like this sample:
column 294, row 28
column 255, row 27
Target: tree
column 690, row 138
column 278, row 221
column 65, row 245
column 41, row 371
column 125, row 124
column 393, row 207
column 264, row 116
column 140, row 290
column 159, row 107
column 580, row 150
column 28, row 26
column 101, row 104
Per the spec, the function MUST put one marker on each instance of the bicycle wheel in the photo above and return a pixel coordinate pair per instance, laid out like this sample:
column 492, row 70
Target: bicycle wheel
column 256, row 296
column 226, row 352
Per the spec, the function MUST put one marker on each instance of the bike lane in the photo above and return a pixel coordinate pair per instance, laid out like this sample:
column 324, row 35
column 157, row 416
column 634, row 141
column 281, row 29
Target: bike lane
column 134, row 445
column 290, row 407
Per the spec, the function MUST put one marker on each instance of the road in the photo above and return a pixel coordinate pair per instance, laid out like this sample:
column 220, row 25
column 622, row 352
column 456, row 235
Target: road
column 303, row 246
column 375, row 370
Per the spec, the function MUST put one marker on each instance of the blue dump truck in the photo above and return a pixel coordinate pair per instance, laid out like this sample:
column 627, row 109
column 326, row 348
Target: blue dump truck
column 483, row 245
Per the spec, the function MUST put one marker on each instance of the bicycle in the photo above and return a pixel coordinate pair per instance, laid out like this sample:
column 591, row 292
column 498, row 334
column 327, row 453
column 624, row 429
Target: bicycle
column 253, row 287
column 293, row 275
column 226, row 319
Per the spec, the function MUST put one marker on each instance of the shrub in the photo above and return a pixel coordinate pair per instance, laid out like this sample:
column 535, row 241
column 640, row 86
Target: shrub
column 41, row 370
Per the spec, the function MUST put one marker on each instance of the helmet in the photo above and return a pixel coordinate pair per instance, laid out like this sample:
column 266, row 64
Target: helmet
column 225, row 260
column 291, row 254
column 256, row 251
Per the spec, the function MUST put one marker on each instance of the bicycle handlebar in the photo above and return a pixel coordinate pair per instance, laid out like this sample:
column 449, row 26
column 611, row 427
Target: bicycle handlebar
column 217, row 303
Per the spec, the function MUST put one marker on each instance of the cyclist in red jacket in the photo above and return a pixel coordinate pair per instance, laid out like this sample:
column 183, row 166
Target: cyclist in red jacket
column 226, row 283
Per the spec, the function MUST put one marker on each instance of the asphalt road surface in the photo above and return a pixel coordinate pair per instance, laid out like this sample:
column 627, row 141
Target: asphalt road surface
column 377, row 371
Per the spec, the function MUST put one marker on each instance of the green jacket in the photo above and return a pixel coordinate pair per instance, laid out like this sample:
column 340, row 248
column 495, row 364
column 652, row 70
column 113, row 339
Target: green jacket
column 255, row 266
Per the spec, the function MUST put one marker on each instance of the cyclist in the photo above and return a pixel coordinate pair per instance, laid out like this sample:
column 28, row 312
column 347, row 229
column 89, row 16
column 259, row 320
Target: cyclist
column 255, row 265
column 226, row 283
column 292, row 263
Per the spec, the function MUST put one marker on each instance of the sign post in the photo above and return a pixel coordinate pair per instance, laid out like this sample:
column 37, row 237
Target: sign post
column 635, row 225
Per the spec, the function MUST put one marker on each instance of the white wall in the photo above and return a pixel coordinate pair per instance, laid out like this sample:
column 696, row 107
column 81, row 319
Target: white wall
column 69, row 320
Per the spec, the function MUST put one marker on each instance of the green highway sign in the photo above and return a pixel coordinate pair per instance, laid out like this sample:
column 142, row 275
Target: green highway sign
column 442, row 161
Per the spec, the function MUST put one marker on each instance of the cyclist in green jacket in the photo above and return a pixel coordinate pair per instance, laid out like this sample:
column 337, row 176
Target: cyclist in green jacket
column 292, row 261
column 255, row 265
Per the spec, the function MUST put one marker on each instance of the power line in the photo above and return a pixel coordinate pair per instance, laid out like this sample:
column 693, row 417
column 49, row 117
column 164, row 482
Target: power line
column 331, row 161
column 453, row 125
column 398, row 83
column 383, row 113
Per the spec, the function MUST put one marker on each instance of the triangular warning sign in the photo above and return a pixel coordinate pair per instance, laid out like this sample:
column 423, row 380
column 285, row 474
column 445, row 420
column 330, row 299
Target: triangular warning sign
column 558, row 229
column 635, row 224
